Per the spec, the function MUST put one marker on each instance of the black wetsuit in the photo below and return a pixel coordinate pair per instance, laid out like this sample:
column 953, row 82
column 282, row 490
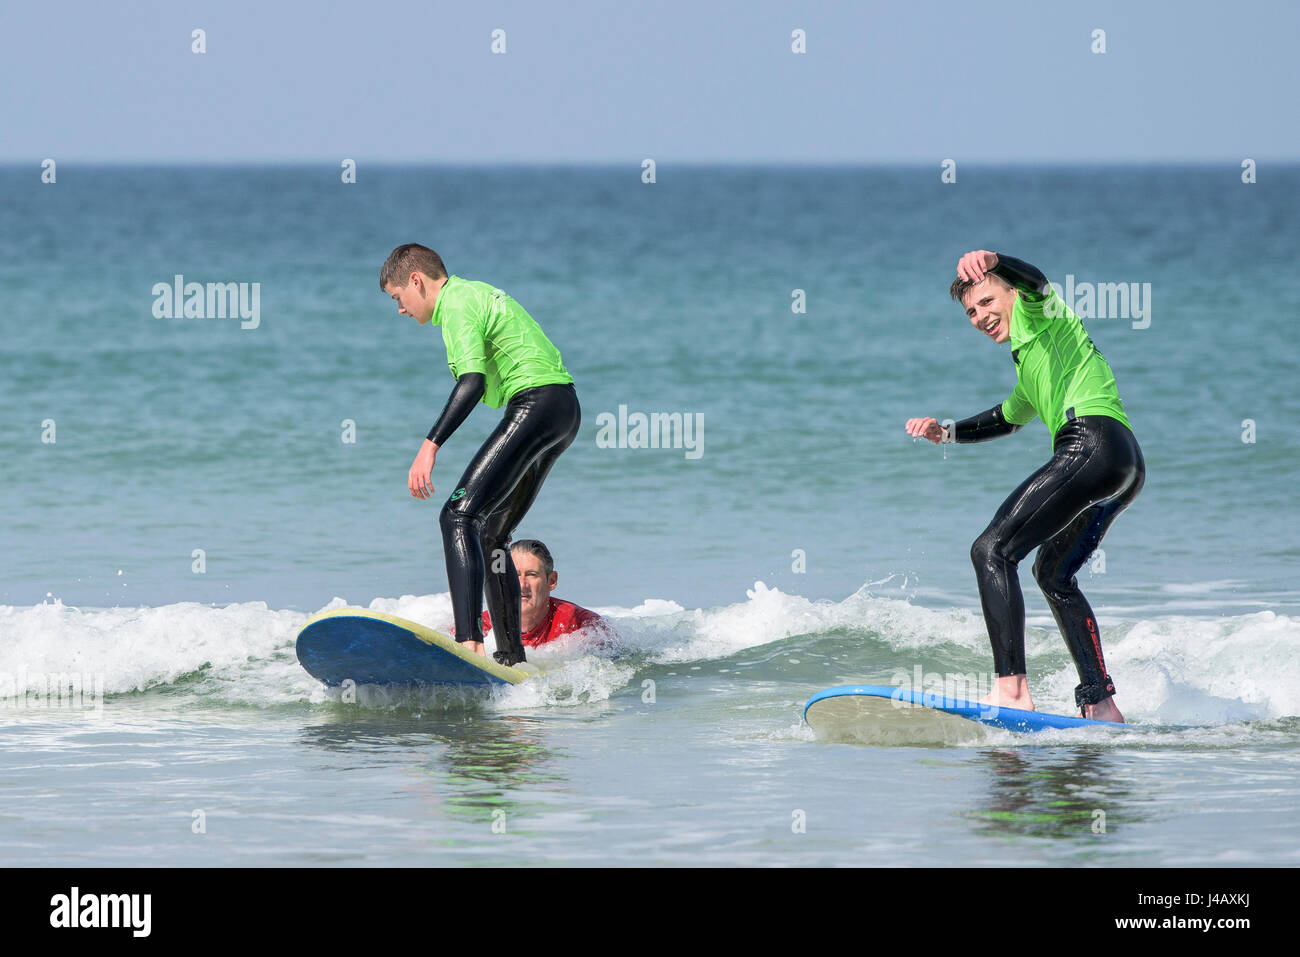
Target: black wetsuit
column 496, row 490
column 1063, row 509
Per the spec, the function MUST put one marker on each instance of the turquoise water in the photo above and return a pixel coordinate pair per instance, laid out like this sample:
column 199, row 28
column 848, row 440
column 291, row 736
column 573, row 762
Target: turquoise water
column 199, row 501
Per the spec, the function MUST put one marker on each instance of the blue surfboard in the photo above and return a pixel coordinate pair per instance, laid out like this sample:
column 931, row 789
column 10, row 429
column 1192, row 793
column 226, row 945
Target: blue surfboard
column 876, row 712
column 370, row 647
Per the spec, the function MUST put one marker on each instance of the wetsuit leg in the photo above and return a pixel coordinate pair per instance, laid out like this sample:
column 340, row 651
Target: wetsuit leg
column 1096, row 461
column 501, row 586
column 1055, row 567
column 538, row 424
column 501, row 583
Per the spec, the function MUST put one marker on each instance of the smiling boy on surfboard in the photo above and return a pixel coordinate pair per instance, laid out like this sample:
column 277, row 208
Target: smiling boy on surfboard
column 498, row 354
column 1064, row 508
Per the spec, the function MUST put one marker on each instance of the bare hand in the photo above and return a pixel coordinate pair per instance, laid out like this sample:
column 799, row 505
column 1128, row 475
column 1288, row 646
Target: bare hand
column 973, row 265
column 417, row 480
column 925, row 429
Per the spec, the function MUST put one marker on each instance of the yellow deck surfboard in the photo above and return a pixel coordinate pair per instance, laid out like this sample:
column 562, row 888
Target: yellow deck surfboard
column 370, row 647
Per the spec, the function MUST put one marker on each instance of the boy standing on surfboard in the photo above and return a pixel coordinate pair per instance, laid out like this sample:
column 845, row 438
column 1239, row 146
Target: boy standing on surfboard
column 1064, row 508
column 497, row 354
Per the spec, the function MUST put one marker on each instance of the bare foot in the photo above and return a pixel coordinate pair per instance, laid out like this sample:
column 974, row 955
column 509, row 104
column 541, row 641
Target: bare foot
column 475, row 646
column 1103, row 711
column 1011, row 691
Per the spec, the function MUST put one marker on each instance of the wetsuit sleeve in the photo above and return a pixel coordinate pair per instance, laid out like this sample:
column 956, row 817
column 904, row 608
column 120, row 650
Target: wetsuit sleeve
column 467, row 393
column 1029, row 280
column 1017, row 410
column 987, row 425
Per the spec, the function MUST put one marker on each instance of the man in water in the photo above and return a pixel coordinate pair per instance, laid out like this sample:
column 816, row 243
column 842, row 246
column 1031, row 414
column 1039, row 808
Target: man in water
column 1065, row 507
column 543, row 618
column 497, row 354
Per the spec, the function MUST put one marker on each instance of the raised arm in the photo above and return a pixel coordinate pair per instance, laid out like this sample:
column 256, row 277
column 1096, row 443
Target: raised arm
column 1029, row 280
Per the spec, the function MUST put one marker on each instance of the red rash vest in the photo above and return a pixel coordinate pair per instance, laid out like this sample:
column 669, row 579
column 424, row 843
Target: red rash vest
column 562, row 618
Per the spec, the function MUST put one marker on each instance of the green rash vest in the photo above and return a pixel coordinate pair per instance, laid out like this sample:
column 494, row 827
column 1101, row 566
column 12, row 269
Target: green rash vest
column 486, row 331
column 1057, row 367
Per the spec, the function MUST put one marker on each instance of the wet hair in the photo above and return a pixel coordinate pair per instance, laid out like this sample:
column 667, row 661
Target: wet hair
column 960, row 286
column 533, row 547
column 406, row 259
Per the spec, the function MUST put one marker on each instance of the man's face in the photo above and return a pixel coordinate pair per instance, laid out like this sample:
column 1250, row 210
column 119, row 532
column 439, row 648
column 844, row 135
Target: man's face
column 413, row 299
column 534, row 586
column 989, row 305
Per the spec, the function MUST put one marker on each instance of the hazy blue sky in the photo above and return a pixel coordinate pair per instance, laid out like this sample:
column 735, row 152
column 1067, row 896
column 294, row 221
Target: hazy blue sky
column 675, row 81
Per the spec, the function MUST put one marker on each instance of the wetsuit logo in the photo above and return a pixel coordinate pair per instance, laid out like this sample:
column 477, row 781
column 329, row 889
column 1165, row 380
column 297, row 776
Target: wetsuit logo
column 457, row 494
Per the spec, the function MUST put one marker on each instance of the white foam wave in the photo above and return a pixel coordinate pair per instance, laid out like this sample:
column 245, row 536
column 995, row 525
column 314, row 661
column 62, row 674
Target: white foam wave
column 135, row 649
column 1169, row 670
column 769, row 615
